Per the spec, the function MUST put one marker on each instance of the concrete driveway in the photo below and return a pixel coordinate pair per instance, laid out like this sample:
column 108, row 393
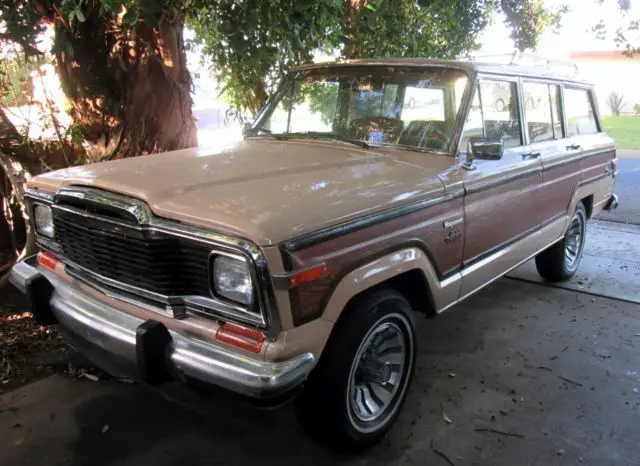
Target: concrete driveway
column 520, row 374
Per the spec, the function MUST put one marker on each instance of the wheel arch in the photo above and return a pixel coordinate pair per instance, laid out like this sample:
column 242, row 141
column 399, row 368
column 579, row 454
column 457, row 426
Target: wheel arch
column 407, row 270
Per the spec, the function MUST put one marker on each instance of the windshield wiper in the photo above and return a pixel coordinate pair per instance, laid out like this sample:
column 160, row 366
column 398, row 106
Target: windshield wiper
column 338, row 137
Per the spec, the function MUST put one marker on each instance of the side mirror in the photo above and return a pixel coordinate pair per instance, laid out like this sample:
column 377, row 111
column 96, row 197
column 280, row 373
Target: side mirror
column 246, row 128
column 485, row 149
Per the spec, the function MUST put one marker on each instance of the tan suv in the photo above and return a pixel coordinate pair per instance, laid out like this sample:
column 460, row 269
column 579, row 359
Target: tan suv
column 295, row 261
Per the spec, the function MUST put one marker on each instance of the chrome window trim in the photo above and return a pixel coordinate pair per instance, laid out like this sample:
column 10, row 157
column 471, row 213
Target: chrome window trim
column 268, row 317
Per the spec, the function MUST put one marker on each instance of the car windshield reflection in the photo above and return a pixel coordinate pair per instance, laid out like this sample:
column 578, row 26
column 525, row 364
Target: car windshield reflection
column 409, row 108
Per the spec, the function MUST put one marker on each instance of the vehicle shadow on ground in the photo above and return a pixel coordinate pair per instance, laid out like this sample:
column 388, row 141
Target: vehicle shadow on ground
column 146, row 428
column 190, row 429
column 489, row 363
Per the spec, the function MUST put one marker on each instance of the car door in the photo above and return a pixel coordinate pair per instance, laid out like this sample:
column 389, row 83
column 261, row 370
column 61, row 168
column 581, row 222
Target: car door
column 587, row 142
column 500, row 195
column 546, row 137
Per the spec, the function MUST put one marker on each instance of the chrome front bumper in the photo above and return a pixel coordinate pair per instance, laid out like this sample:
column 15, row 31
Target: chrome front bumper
column 124, row 344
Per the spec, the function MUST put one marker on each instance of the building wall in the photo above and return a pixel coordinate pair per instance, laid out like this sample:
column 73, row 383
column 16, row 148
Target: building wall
column 611, row 72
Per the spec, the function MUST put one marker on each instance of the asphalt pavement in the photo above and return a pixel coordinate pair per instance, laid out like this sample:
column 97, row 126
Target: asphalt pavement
column 627, row 188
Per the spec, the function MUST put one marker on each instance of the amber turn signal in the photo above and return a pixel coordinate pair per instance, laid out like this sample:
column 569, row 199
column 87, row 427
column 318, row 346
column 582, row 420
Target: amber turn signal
column 241, row 337
column 48, row 260
column 308, row 275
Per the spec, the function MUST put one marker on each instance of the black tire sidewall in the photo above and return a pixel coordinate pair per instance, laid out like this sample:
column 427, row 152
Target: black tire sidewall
column 323, row 406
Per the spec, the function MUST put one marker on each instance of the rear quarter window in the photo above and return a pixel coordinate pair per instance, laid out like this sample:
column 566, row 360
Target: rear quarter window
column 580, row 114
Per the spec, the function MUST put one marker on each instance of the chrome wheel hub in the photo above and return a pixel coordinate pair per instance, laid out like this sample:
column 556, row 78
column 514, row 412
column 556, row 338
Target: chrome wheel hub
column 377, row 373
column 574, row 241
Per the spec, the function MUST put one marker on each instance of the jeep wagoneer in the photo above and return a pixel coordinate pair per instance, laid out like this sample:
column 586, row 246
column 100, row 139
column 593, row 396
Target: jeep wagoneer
column 293, row 263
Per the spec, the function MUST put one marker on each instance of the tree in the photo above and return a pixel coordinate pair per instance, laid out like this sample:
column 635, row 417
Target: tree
column 122, row 65
column 623, row 36
column 616, row 103
column 252, row 43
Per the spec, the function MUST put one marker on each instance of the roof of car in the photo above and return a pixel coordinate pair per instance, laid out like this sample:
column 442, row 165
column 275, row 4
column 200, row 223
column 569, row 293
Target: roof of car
column 561, row 71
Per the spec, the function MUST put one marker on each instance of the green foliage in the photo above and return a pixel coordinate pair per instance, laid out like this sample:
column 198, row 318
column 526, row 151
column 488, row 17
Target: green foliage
column 24, row 20
column 623, row 37
column 253, row 42
column 15, row 85
column 528, row 19
column 322, row 98
column 625, row 130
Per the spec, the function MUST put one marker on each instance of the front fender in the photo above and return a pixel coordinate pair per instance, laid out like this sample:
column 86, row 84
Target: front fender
column 443, row 293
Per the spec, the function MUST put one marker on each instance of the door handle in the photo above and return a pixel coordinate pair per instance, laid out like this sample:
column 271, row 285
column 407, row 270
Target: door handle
column 574, row 147
column 531, row 155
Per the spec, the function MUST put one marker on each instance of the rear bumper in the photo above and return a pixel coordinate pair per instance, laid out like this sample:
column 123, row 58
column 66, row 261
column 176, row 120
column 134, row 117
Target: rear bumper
column 147, row 351
column 612, row 203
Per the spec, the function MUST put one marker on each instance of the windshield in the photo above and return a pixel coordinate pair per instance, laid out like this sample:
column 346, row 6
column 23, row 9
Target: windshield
column 409, row 107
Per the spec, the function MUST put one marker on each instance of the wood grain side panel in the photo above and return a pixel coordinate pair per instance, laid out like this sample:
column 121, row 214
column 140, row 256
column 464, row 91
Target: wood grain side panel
column 599, row 159
column 498, row 214
column 423, row 228
column 558, row 185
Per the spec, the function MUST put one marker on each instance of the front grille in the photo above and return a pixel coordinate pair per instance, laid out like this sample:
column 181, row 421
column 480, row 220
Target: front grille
column 160, row 263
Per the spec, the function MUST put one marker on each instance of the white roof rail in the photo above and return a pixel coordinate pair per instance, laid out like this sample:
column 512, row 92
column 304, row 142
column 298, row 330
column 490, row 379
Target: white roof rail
column 527, row 59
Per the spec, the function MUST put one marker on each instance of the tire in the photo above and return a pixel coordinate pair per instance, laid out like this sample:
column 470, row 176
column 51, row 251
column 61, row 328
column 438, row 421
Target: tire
column 332, row 406
column 560, row 261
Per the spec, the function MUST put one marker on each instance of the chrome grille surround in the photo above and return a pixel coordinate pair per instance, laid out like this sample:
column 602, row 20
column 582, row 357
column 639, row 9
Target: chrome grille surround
column 134, row 216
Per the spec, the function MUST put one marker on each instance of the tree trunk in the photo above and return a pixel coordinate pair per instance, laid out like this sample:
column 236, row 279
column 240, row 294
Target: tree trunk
column 353, row 12
column 129, row 89
column 17, row 165
column 259, row 99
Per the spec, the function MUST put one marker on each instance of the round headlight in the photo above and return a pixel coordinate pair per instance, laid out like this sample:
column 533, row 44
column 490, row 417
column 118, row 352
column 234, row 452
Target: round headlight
column 43, row 220
column 232, row 280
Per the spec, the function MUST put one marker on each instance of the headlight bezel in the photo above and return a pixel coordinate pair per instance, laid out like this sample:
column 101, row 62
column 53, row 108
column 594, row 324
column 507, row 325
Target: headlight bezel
column 39, row 229
column 232, row 298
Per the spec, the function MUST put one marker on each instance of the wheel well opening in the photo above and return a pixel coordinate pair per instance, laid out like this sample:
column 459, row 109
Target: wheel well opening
column 412, row 285
column 588, row 204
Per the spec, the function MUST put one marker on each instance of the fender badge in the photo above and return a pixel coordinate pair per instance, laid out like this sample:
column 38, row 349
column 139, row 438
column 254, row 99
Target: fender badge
column 453, row 222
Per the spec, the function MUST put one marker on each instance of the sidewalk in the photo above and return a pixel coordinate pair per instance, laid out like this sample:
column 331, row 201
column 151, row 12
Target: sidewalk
column 629, row 153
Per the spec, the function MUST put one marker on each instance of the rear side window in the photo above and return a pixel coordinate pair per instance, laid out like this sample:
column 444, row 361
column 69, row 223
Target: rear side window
column 580, row 115
column 542, row 108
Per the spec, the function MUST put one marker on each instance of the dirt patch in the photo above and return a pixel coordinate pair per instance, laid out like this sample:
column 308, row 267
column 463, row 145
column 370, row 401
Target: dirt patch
column 28, row 351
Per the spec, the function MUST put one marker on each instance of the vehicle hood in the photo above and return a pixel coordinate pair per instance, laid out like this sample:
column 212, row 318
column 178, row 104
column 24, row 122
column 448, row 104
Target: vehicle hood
column 265, row 190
